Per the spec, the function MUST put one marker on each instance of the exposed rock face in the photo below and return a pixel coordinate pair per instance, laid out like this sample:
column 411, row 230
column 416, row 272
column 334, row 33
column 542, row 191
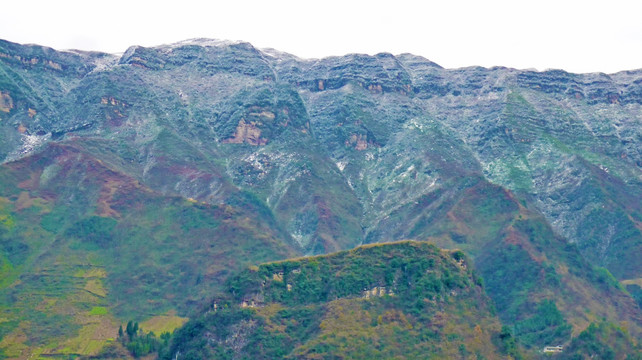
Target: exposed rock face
column 248, row 133
column 568, row 143
column 522, row 166
column 6, row 103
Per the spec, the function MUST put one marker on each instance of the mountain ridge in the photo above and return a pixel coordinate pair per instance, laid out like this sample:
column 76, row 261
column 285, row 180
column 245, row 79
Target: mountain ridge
column 536, row 175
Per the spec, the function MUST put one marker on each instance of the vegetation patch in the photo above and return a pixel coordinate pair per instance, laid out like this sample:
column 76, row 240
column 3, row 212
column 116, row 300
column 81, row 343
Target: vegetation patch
column 164, row 323
column 405, row 299
column 98, row 310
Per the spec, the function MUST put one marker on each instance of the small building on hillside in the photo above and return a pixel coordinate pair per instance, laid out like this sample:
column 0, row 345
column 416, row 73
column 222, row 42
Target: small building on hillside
column 553, row 349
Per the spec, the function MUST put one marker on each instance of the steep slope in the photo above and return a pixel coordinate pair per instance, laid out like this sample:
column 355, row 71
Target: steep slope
column 380, row 131
column 523, row 262
column 536, row 175
column 85, row 247
column 405, row 299
column 604, row 341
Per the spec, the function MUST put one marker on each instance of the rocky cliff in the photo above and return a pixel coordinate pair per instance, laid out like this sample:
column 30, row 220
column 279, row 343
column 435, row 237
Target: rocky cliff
column 542, row 170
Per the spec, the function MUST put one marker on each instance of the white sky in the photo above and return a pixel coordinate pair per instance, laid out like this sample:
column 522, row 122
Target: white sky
column 578, row 36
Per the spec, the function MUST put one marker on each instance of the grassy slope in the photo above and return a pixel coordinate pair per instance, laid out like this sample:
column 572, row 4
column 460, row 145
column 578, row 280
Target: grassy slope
column 398, row 300
column 541, row 286
column 59, row 226
column 85, row 248
column 603, row 340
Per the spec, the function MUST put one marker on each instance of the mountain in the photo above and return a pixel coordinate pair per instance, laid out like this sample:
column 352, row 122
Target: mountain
column 403, row 299
column 132, row 186
column 84, row 245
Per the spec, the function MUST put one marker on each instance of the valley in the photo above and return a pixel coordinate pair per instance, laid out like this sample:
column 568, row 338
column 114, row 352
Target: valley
column 143, row 186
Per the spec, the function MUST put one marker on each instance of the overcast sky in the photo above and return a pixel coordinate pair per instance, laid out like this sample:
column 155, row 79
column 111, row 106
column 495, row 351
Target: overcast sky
column 578, row 36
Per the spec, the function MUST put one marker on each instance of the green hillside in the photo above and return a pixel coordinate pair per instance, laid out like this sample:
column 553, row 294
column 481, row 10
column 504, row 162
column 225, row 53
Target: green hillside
column 84, row 248
column 405, row 300
column 133, row 186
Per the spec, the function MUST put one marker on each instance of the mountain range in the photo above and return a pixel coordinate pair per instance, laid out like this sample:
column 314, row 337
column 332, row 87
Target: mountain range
column 140, row 186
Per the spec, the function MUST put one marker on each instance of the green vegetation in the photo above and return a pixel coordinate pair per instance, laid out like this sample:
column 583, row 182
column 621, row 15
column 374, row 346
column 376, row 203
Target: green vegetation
column 635, row 291
column 531, row 263
column 94, row 230
column 122, row 197
column 139, row 343
column 604, row 340
column 98, row 310
column 59, row 259
column 547, row 326
column 509, row 343
column 404, row 299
